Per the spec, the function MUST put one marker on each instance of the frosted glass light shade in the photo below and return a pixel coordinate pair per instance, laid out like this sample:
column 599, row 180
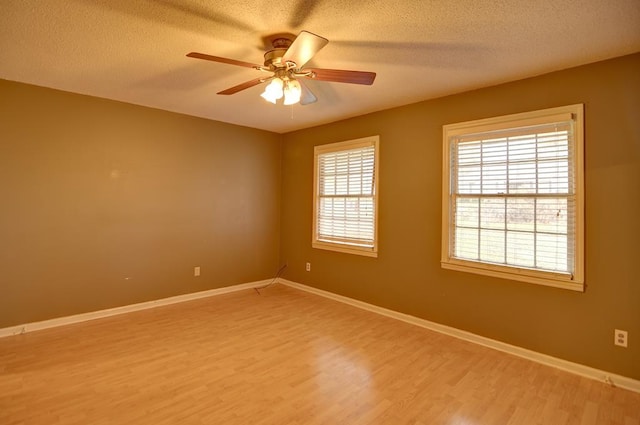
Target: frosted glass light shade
column 273, row 91
column 292, row 92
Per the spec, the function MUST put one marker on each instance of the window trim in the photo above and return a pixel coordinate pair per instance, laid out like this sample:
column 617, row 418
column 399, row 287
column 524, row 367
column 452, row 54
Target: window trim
column 574, row 281
column 346, row 247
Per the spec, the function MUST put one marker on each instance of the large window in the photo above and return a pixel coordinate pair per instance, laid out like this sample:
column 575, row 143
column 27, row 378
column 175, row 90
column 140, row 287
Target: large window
column 513, row 197
column 345, row 196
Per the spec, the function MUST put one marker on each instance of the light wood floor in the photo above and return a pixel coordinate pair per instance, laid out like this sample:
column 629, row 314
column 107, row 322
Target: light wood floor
column 283, row 357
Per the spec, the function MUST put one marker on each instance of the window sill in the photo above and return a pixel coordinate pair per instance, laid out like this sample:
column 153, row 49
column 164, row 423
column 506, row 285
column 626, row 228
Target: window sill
column 522, row 275
column 347, row 249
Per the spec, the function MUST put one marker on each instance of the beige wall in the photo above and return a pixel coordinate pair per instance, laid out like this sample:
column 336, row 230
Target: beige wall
column 106, row 204
column 407, row 276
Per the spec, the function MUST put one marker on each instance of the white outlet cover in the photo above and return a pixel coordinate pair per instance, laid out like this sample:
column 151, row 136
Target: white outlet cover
column 621, row 338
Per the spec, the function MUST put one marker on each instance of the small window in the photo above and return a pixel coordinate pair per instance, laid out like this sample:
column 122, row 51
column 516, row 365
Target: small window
column 345, row 196
column 513, row 197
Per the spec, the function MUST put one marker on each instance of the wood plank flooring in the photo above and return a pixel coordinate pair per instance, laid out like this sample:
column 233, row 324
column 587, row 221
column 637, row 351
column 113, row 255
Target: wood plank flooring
column 283, row 357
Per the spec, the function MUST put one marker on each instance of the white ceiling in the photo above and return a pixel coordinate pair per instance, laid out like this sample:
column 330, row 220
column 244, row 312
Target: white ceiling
column 134, row 50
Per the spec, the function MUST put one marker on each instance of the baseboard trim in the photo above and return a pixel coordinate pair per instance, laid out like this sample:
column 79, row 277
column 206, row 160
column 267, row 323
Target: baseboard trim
column 92, row 315
column 575, row 368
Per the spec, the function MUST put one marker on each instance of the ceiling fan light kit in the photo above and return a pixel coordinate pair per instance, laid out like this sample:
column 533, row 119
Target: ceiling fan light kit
column 286, row 61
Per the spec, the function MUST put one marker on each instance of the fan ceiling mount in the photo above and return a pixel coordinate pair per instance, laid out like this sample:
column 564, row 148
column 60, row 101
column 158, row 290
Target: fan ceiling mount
column 285, row 61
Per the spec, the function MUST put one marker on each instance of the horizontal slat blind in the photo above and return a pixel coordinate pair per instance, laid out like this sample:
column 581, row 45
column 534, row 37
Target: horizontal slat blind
column 346, row 191
column 513, row 197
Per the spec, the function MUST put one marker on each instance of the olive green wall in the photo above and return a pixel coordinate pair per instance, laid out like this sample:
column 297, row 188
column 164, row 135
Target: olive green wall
column 107, row 204
column 407, row 276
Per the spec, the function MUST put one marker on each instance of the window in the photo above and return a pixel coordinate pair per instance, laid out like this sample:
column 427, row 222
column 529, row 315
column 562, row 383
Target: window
column 345, row 196
column 513, row 197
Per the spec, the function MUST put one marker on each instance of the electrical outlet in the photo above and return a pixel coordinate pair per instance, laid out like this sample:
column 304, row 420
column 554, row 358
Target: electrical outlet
column 308, row 267
column 621, row 338
column 196, row 271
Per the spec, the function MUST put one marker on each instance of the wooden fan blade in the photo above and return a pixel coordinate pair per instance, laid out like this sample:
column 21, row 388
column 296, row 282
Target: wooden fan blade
column 303, row 48
column 342, row 76
column 240, row 87
column 306, row 95
column 221, row 60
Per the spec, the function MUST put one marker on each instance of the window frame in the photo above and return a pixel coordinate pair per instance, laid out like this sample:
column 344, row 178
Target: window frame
column 573, row 281
column 346, row 247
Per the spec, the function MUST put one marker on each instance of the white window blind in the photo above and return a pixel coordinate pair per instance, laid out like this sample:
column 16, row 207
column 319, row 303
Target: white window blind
column 513, row 197
column 345, row 201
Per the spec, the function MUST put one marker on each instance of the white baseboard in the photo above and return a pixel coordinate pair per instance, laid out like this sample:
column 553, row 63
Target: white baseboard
column 83, row 317
column 575, row 368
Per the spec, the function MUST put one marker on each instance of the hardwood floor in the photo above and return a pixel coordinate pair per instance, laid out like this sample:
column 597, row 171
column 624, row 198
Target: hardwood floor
column 283, row 357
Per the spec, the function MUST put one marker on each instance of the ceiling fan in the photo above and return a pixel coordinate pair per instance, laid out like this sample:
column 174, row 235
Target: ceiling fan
column 286, row 62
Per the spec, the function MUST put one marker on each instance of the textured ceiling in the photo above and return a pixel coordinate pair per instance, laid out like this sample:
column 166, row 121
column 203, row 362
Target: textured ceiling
column 134, row 50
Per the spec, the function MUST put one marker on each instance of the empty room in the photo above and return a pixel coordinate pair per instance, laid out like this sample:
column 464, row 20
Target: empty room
column 319, row 212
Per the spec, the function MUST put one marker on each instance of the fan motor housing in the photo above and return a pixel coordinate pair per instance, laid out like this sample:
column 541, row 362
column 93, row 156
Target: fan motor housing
column 274, row 57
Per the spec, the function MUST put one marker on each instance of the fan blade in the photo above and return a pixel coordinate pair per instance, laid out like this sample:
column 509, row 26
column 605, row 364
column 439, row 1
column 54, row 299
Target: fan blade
column 240, row 87
column 222, row 60
column 303, row 48
column 306, row 95
column 342, row 76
